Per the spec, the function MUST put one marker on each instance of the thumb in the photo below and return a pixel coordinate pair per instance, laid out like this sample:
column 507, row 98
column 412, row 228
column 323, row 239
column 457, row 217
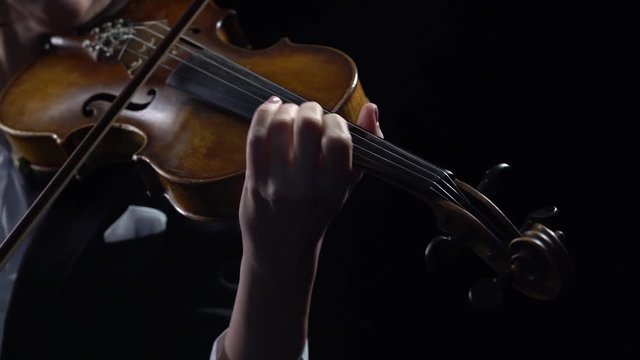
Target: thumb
column 369, row 119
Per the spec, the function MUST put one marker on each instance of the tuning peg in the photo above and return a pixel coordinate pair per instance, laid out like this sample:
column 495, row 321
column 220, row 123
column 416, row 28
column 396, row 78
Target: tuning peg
column 488, row 294
column 546, row 216
column 441, row 252
column 490, row 179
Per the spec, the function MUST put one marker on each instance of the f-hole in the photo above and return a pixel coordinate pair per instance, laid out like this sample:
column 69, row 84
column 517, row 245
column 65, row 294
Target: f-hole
column 89, row 111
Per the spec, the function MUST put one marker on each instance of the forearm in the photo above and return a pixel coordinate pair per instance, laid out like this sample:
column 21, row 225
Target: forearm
column 298, row 176
column 270, row 316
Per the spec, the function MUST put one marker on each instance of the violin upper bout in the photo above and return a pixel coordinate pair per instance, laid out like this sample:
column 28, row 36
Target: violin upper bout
column 229, row 31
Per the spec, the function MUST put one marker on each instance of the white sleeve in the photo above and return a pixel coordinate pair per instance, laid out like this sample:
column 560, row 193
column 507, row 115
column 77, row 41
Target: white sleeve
column 216, row 352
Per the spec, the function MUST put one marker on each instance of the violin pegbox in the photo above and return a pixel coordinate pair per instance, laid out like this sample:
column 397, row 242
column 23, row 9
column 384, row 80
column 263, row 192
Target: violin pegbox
column 538, row 266
column 533, row 259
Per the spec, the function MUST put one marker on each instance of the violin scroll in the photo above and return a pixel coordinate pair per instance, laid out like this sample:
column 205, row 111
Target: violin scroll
column 532, row 259
column 539, row 265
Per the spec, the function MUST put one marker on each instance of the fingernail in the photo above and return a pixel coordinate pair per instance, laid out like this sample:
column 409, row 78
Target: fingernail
column 274, row 100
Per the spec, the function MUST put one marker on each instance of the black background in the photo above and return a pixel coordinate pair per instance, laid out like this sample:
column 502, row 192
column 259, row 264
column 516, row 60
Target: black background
column 545, row 86
column 549, row 87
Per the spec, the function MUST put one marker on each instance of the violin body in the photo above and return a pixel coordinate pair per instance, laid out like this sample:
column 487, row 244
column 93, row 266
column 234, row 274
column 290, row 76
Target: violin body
column 191, row 152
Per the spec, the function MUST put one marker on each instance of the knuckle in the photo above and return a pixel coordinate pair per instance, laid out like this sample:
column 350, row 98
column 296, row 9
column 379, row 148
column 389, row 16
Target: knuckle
column 311, row 104
column 289, row 109
column 257, row 139
column 309, row 123
column 337, row 142
column 313, row 107
column 332, row 117
column 289, row 105
column 262, row 113
column 280, row 122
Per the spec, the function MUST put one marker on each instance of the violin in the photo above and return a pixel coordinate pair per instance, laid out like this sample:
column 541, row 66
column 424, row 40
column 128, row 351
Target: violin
column 185, row 125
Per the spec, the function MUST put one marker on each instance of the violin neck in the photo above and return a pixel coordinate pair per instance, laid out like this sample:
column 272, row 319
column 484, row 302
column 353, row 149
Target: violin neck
column 401, row 168
column 376, row 155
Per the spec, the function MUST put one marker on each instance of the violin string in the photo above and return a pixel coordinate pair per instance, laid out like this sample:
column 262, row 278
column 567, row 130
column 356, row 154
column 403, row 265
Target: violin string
column 440, row 174
column 385, row 169
column 230, row 63
column 406, row 157
column 363, row 159
column 390, row 168
column 144, row 57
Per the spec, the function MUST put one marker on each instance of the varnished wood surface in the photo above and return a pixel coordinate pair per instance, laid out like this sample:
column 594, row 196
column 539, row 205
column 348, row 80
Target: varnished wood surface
column 187, row 145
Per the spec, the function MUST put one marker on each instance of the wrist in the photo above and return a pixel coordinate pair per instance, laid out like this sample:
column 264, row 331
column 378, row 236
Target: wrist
column 270, row 315
column 281, row 265
column 279, row 252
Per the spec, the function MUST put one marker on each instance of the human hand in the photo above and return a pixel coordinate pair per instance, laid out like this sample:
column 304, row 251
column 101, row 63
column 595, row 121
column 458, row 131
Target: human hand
column 299, row 173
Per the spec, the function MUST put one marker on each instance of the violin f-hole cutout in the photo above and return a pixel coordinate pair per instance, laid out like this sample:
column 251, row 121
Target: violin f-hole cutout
column 89, row 111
